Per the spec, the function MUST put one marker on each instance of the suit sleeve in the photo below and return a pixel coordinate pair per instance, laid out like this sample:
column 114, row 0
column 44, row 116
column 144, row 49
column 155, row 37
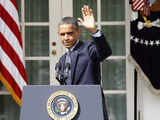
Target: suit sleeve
column 99, row 48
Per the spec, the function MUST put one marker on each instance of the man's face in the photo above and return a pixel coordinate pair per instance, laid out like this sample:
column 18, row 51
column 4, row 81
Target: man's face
column 68, row 35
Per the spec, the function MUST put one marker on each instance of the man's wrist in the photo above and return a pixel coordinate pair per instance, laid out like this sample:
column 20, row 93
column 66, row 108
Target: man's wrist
column 93, row 31
column 97, row 34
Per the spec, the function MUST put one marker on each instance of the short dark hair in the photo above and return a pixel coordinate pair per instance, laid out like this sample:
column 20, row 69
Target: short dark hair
column 69, row 20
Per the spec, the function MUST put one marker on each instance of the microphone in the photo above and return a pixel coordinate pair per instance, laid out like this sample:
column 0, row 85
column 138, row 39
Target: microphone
column 67, row 69
column 57, row 68
column 60, row 77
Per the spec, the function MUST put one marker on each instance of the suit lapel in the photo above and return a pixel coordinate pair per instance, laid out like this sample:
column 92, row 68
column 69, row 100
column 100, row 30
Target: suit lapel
column 74, row 58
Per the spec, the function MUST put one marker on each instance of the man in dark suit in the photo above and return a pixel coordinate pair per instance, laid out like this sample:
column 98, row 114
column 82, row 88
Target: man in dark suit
column 81, row 63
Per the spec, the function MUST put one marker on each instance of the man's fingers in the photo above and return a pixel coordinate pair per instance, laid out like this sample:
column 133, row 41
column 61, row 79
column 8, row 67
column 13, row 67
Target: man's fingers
column 80, row 20
column 83, row 12
column 88, row 19
column 90, row 12
column 86, row 11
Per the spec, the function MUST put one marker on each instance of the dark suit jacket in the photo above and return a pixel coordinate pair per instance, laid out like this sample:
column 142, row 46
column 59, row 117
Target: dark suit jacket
column 85, row 64
column 85, row 61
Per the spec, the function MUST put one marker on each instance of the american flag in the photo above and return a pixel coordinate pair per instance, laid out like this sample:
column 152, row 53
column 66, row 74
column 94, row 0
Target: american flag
column 12, row 67
column 137, row 5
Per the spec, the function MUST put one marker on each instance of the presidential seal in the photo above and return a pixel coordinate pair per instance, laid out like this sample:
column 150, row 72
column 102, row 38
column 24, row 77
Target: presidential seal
column 62, row 105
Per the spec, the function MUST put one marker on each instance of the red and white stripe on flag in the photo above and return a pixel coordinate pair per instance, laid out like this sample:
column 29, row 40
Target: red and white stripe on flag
column 138, row 5
column 12, row 68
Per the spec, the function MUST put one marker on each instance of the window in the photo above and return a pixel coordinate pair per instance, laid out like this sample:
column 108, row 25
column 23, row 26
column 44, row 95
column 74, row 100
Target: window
column 35, row 30
column 111, row 17
column 42, row 48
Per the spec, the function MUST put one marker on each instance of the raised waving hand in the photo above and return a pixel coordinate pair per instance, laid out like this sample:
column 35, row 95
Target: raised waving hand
column 88, row 19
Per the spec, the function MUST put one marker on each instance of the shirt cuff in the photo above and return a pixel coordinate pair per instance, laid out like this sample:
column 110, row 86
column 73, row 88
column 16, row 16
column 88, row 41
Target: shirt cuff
column 97, row 34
